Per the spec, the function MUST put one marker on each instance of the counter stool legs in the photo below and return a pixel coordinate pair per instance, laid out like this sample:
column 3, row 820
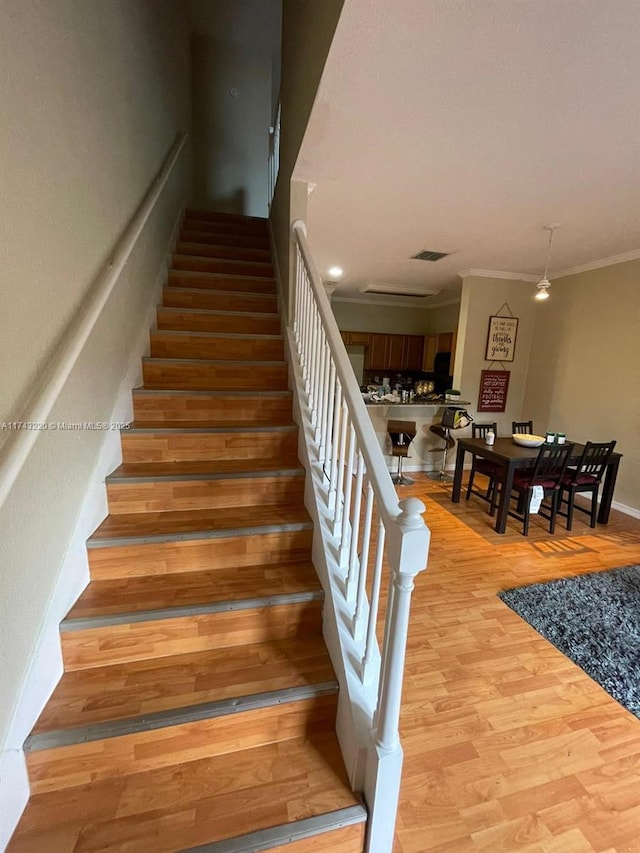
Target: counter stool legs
column 398, row 479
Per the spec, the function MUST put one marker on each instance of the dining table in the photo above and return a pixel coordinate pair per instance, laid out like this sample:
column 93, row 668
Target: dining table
column 511, row 456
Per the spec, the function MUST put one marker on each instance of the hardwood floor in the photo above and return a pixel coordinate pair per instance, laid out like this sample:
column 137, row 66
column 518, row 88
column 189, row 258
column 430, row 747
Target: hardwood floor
column 508, row 744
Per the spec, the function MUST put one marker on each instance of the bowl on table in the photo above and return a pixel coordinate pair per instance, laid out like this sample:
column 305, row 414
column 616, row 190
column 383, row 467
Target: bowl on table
column 525, row 439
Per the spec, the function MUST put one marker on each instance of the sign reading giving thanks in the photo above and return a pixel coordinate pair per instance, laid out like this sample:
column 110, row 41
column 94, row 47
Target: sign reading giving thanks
column 501, row 340
column 493, row 390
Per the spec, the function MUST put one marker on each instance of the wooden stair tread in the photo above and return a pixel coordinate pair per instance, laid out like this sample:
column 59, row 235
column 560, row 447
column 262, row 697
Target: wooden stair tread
column 156, row 592
column 213, row 250
column 118, row 691
column 195, row 802
column 205, row 468
column 191, row 521
column 203, row 426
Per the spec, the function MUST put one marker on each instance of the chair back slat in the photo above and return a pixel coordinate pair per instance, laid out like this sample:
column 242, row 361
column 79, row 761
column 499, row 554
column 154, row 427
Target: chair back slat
column 522, row 427
column 551, row 462
column 480, row 430
column 594, row 459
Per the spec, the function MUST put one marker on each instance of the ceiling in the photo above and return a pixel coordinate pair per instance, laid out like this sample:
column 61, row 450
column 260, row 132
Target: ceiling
column 465, row 127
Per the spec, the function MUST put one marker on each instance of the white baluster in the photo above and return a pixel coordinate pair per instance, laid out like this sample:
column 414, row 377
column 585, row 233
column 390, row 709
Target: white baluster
column 346, row 509
column 327, row 423
column 344, row 422
column 326, row 377
column 370, row 642
column 358, row 616
column 335, row 447
column 354, row 563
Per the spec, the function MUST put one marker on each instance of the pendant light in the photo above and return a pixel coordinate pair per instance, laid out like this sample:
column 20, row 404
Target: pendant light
column 544, row 284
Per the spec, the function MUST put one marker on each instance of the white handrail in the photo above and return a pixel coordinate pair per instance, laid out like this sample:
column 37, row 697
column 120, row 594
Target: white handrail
column 365, row 532
column 16, row 449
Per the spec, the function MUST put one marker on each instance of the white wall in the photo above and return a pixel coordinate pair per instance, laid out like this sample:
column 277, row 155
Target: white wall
column 94, row 95
column 584, row 375
column 235, row 47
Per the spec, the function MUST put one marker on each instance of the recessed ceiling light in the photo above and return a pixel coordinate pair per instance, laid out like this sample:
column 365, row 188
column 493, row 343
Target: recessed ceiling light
column 335, row 272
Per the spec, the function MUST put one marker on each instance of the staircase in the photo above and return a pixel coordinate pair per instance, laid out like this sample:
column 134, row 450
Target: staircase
column 197, row 706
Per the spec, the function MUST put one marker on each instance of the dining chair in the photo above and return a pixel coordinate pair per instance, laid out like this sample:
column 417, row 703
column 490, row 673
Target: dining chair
column 585, row 477
column 547, row 472
column 402, row 434
column 489, row 469
column 520, row 427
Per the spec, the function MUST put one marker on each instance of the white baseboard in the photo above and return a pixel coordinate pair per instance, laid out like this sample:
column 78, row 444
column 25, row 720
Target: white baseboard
column 633, row 511
column 46, row 665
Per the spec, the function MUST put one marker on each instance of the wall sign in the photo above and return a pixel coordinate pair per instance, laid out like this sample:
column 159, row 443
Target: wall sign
column 501, row 339
column 493, row 390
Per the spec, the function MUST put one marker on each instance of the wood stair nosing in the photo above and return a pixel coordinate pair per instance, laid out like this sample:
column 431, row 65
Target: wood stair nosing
column 201, row 405
column 201, row 264
column 214, row 346
column 125, row 600
column 136, row 688
column 236, row 219
column 219, row 299
column 200, row 319
column 177, row 715
column 188, row 555
column 230, row 253
column 153, row 747
column 340, row 831
column 200, row 802
column 221, row 281
column 223, row 238
column 214, row 374
column 185, row 492
column 146, row 637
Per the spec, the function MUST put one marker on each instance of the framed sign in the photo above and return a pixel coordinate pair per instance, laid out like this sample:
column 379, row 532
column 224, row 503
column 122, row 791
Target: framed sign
column 493, row 390
column 501, row 339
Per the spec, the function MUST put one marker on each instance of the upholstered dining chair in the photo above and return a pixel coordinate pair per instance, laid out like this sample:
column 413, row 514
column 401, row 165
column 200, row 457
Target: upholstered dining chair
column 520, row 427
column 548, row 472
column 489, row 469
column 585, row 477
column 402, row 434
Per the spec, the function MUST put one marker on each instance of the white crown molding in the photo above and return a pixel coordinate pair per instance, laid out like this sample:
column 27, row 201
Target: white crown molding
column 633, row 255
column 511, row 276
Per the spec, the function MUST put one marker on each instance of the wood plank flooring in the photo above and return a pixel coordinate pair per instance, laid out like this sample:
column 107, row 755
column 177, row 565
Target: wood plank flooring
column 508, row 745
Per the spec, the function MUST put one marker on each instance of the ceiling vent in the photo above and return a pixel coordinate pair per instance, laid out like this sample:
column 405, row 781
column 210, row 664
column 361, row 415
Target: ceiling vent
column 429, row 255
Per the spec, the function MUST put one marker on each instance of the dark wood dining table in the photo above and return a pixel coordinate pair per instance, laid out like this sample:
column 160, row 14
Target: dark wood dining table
column 510, row 456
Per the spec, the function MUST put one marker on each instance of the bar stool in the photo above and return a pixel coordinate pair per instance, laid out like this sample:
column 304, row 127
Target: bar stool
column 402, row 434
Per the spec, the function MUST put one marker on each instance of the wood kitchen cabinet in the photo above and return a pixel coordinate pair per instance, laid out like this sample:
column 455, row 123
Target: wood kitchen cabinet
column 386, row 351
column 433, row 344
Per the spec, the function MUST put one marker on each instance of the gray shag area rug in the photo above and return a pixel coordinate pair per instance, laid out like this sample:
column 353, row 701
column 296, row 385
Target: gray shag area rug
column 594, row 619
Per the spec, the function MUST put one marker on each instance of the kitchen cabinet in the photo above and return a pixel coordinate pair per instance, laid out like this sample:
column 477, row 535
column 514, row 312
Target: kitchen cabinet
column 387, row 351
column 376, row 354
column 433, row 344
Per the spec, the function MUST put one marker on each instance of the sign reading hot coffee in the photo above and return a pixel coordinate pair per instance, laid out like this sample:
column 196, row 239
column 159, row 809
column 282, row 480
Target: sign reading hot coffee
column 501, row 340
column 493, row 390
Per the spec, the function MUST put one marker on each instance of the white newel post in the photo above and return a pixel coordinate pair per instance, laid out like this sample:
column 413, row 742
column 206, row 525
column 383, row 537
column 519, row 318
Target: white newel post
column 408, row 549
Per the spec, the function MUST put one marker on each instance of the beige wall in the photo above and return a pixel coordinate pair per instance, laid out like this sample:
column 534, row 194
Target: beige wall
column 362, row 317
column 481, row 298
column 444, row 319
column 231, row 97
column 307, row 31
column 93, row 96
column 584, row 376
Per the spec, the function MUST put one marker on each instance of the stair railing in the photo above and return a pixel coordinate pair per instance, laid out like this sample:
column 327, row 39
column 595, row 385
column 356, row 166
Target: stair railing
column 373, row 545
